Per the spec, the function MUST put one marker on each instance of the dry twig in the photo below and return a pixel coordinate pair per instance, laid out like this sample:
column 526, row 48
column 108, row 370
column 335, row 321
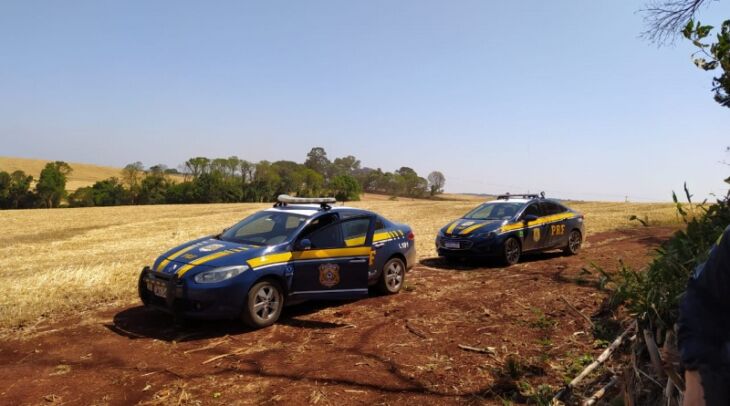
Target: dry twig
column 576, row 311
column 601, row 392
column 485, row 350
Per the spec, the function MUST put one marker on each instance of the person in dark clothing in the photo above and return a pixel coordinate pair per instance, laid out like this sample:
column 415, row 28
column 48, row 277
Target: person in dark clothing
column 704, row 329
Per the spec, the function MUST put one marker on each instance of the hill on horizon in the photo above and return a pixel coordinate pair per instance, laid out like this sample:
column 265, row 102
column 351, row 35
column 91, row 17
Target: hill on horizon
column 82, row 175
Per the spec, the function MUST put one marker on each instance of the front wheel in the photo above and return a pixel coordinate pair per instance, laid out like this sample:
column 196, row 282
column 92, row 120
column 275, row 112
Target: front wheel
column 264, row 304
column 575, row 239
column 392, row 277
column 511, row 251
column 144, row 294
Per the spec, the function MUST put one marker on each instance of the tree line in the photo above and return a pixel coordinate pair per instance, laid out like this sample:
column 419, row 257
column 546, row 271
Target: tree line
column 219, row 180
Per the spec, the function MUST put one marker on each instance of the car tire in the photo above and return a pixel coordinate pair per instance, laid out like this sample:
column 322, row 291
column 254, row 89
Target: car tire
column 452, row 259
column 264, row 302
column 575, row 240
column 511, row 251
column 392, row 277
column 142, row 289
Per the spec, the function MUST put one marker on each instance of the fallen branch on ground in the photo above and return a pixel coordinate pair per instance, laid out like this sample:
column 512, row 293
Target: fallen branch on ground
column 576, row 311
column 601, row 392
column 485, row 350
column 601, row 359
column 415, row 331
column 217, row 357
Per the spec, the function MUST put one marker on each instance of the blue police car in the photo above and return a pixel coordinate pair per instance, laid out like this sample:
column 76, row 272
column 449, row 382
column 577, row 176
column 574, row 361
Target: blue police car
column 298, row 250
column 511, row 225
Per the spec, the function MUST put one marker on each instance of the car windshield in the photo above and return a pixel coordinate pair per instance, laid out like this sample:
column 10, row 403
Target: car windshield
column 494, row 211
column 264, row 228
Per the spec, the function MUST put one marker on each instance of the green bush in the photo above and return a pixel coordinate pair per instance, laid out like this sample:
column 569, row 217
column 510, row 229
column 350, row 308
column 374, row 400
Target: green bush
column 653, row 296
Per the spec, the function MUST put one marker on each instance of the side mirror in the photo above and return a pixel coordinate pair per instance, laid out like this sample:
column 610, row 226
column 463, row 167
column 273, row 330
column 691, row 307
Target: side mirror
column 304, row 245
column 529, row 217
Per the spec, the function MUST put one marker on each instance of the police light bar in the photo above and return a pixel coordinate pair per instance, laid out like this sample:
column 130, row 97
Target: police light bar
column 507, row 196
column 323, row 202
column 305, row 200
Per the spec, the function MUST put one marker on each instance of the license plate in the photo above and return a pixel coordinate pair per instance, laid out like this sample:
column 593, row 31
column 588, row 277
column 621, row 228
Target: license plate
column 451, row 244
column 158, row 289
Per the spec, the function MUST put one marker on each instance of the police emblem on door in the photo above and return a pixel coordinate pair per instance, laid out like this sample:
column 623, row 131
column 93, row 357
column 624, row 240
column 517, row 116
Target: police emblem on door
column 536, row 235
column 329, row 275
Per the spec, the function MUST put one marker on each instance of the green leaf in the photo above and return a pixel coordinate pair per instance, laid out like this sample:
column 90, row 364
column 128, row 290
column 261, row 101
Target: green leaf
column 687, row 31
column 686, row 193
column 703, row 31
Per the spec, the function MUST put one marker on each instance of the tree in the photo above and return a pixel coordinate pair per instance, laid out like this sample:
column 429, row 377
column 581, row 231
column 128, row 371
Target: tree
column 436, row 182
column 317, row 161
column 132, row 175
column 345, row 166
column 345, row 188
column 110, row 192
column 51, row 185
column 410, row 181
column 4, row 189
column 714, row 55
column 313, row 183
column 197, row 166
column 153, row 187
column 15, row 190
column 668, row 18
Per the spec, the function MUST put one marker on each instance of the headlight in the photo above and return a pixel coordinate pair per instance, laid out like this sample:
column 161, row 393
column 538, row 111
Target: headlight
column 220, row 274
column 485, row 236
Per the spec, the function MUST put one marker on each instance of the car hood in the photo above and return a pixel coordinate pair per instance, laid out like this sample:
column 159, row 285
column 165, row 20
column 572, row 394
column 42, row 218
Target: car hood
column 466, row 227
column 207, row 253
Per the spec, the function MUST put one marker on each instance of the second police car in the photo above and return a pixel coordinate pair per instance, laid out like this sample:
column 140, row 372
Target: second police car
column 511, row 225
column 292, row 252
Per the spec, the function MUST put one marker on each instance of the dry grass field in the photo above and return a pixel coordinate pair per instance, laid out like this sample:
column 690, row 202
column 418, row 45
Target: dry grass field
column 62, row 261
column 82, row 175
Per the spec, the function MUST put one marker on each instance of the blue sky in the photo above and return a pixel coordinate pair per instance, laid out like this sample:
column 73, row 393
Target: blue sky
column 500, row 96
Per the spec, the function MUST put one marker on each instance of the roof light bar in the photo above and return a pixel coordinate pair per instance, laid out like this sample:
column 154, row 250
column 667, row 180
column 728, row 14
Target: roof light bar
column 507, row 196
column 324, row 202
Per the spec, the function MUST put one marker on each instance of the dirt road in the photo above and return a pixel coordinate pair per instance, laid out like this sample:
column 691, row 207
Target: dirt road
column 384, row 349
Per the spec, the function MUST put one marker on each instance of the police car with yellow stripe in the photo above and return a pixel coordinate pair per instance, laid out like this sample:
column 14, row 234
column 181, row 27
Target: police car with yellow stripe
column 511, row 225
column 298, row 250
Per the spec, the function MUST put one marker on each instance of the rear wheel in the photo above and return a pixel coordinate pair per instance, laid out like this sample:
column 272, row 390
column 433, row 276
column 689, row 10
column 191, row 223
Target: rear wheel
column 264, row 304
column 393, row 275
column 575, row 240
column 511, row 251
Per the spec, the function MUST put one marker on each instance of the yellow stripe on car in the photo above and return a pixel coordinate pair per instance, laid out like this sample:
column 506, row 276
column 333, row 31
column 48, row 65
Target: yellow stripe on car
column 471, row 228
column 176, row 254
column 540, row 221
column 308, row 254
column 203, row 260
column 380, row 236
column 452, row 227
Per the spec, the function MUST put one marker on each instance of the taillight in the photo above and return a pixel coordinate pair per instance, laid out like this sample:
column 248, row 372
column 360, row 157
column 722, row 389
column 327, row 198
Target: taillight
column 411, row 236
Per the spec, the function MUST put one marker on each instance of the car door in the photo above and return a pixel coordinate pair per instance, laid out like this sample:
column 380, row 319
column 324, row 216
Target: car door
column 332, row 262
column 534, row 236
column 556, row 224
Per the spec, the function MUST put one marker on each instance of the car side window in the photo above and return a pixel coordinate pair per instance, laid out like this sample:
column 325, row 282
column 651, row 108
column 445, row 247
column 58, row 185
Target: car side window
column 550, row 208
column 379, row 225
column 354, row 231
column 347, row 233
column 532, row 209
column 329, row 236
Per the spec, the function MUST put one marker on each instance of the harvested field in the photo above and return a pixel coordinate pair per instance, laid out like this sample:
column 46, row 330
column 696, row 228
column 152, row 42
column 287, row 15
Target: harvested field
column 54, row 262
column 402, row 349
